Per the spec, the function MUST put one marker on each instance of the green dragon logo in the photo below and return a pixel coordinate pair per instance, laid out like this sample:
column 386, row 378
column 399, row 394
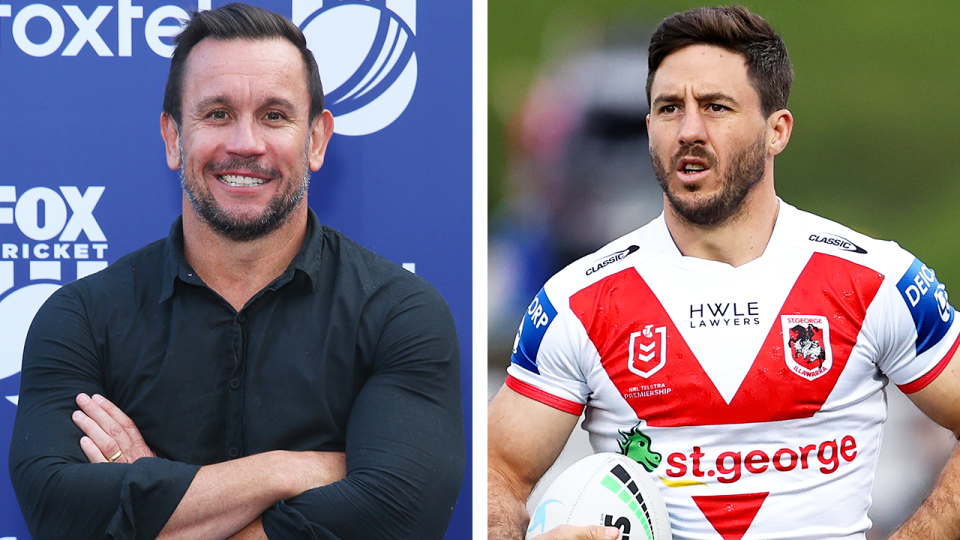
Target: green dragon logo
column 635, row 444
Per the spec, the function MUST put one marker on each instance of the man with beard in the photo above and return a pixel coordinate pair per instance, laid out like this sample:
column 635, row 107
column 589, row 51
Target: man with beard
column 256, row 374
column 686, row 336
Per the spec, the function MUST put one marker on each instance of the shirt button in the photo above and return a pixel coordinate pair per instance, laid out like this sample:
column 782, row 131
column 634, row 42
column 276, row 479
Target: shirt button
column 234, row 383
column 242, row 318
column 233, row 452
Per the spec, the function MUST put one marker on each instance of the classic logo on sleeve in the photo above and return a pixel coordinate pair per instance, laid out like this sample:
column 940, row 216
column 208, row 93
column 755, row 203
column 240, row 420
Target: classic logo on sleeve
column 928, row 302
column 838, row 241
column 539, row 315
column 607, row 260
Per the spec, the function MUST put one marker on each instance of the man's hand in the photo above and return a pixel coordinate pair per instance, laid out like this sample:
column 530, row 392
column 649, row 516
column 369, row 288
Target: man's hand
column 569, row 532
column 111, row 436
column 211, row 508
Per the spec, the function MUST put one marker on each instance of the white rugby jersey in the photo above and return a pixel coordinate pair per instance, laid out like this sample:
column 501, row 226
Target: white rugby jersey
column 754, row 395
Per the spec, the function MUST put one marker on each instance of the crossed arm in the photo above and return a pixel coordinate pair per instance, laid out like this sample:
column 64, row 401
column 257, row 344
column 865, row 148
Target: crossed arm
column 223, row 500
column 404, row 444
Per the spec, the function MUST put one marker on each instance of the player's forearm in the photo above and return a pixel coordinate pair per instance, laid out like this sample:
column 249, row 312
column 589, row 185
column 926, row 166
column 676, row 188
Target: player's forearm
column 507, row 515
column 515, row 460
column 225, row 498
column 938, row 518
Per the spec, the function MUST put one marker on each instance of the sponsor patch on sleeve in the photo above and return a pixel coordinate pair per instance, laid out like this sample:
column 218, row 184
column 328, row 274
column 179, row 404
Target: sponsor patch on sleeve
column 928, row 302
column 536, row 320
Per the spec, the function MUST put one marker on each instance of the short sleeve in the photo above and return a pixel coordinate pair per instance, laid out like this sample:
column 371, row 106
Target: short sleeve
column 916, row 327
column 546, row 361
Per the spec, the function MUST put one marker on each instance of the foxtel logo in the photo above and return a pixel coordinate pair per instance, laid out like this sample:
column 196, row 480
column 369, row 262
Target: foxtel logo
column 46, row 21
column 730, row 466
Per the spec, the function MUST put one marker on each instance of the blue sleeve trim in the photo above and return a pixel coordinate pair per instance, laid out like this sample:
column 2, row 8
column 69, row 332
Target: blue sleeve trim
column 928, row 302
column 537, row 319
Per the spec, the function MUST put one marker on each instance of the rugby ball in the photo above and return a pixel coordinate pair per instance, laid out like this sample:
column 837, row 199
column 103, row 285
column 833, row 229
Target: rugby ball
column 604, row 489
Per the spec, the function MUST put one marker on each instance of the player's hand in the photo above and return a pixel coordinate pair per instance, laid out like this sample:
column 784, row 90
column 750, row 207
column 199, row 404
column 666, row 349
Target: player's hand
column 569, row 532
column 110, row 434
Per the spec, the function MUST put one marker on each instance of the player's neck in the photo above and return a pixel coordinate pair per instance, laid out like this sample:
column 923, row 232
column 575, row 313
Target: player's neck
column 737, row 241
column 238, row 270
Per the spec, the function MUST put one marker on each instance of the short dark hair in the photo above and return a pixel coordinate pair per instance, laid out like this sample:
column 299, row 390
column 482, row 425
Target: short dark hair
column 736, row 29
column 237, row 21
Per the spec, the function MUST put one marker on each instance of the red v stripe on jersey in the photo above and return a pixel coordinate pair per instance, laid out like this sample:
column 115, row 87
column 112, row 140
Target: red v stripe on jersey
column 617, row 306
column 731, row 515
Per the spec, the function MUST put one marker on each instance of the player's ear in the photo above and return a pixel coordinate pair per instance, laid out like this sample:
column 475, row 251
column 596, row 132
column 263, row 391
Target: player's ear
column 779, row 127
column 171, row 140
column 320, row 132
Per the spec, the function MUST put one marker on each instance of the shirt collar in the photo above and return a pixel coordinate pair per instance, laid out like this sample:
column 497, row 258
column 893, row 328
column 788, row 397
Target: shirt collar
column 307, row 261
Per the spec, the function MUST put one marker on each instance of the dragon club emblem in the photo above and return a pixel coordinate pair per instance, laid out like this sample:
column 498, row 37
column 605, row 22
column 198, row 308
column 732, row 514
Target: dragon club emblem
column 806, row 345
column 635, row 444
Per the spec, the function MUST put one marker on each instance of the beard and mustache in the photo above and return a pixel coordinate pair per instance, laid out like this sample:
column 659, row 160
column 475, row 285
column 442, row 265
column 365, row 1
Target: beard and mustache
column 237, row 227
column 744, row 173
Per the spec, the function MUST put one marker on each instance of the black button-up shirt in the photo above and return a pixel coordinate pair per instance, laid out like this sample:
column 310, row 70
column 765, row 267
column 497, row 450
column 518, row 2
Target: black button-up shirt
column 344, row 351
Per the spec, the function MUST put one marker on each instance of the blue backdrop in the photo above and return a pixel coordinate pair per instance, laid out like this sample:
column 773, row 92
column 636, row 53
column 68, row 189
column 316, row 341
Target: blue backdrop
column 83, row 178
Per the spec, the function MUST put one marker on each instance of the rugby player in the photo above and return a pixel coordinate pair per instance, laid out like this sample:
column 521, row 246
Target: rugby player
column 748, row 341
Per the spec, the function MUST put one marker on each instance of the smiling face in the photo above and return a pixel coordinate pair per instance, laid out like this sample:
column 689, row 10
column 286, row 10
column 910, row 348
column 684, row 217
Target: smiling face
column 709, row 142
column 245, row 146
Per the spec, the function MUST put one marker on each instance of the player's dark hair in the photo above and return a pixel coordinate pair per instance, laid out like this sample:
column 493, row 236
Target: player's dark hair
column 237, row 21
column 736, row 29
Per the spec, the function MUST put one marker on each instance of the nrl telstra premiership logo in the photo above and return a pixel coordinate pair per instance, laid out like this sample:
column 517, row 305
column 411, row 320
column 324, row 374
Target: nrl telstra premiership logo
column 366, row 52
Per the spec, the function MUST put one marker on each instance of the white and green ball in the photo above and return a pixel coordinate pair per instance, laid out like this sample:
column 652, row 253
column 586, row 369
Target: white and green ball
column 604, row 489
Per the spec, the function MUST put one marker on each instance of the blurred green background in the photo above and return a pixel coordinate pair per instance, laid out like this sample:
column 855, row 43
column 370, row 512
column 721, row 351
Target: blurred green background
column 875, row 101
